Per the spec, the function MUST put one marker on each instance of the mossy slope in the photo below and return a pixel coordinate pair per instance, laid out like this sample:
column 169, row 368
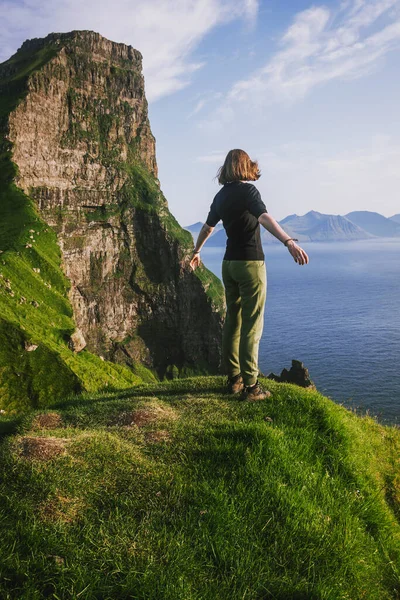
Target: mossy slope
column 177, row 491
column 34, row 307
column 148, row 270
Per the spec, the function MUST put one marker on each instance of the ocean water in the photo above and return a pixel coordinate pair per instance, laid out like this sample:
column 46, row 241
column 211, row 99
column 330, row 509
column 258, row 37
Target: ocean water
column 339, row 315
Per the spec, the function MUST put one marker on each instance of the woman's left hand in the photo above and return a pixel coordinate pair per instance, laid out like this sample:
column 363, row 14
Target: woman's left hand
column 196, row 261
column 300, row 257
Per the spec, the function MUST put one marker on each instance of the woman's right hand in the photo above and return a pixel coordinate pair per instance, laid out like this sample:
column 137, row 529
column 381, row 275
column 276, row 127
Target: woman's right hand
column 299, row 256
column 196, row 261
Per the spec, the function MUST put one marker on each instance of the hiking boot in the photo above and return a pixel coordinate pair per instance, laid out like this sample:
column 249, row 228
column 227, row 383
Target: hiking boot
column 255, row 392
column 235, row 384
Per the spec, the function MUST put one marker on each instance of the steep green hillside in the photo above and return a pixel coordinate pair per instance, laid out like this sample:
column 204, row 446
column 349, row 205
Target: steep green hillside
column 87, row 241
column 178, row 491
column 34, row 307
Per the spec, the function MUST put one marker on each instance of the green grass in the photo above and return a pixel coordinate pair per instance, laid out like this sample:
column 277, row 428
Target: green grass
column 213, row 286
column 34, row 304
column 142, row 191
column 34, row 308
column 14, row 73
column 291, row 498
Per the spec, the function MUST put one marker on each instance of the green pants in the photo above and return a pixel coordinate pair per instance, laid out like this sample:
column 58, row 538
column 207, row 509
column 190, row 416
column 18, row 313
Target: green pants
column 245, row 284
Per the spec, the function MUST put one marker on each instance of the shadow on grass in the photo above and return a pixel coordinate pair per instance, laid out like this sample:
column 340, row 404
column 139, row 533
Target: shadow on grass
column 9, row 427
column 288, row 595
column 161, row 390
column 392, row 492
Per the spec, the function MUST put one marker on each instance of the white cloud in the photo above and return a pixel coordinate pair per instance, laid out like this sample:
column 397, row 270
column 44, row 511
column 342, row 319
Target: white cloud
column 199, row 105
column 381, row 150
column 251, row 9
column 204, row 99
column 318, row 47
column 302, row 176
column 215, row 157
column 165, row 31
column 380, row 161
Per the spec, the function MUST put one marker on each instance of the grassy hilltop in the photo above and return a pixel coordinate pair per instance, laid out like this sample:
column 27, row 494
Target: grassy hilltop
column 178, row 491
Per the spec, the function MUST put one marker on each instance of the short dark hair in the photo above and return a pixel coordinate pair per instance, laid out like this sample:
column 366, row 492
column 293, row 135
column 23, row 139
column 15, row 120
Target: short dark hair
column 238, row 166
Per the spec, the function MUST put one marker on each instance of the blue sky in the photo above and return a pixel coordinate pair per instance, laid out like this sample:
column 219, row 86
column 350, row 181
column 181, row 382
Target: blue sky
column 311, row 90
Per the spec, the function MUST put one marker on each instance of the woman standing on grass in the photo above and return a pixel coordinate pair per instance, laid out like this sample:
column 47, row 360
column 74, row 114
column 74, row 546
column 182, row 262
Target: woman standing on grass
column 241, row 209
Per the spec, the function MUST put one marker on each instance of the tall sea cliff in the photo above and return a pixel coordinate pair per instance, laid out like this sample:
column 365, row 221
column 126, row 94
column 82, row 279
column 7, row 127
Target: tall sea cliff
column 95, row 285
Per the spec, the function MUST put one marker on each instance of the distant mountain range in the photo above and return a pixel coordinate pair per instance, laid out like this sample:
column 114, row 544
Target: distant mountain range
column 375, row 224
column 195, row 228
column 318, row 227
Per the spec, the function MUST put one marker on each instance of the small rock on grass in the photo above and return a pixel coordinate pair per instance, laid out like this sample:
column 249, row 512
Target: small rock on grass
column 77, row 341
column 30, row 347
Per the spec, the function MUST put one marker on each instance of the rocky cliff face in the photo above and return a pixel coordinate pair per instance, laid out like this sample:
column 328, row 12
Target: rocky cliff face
column 81, row 140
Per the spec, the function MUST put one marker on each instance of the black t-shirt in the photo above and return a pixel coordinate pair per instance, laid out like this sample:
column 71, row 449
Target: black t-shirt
column 239, row 205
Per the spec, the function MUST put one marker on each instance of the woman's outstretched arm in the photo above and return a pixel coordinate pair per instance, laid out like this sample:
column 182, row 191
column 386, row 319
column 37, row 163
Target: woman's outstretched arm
column 203, row 236
column 273, row 227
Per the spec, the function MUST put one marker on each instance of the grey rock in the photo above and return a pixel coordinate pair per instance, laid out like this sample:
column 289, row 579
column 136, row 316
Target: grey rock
column 30, row 347
column 77, row 341
column 297, row 374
